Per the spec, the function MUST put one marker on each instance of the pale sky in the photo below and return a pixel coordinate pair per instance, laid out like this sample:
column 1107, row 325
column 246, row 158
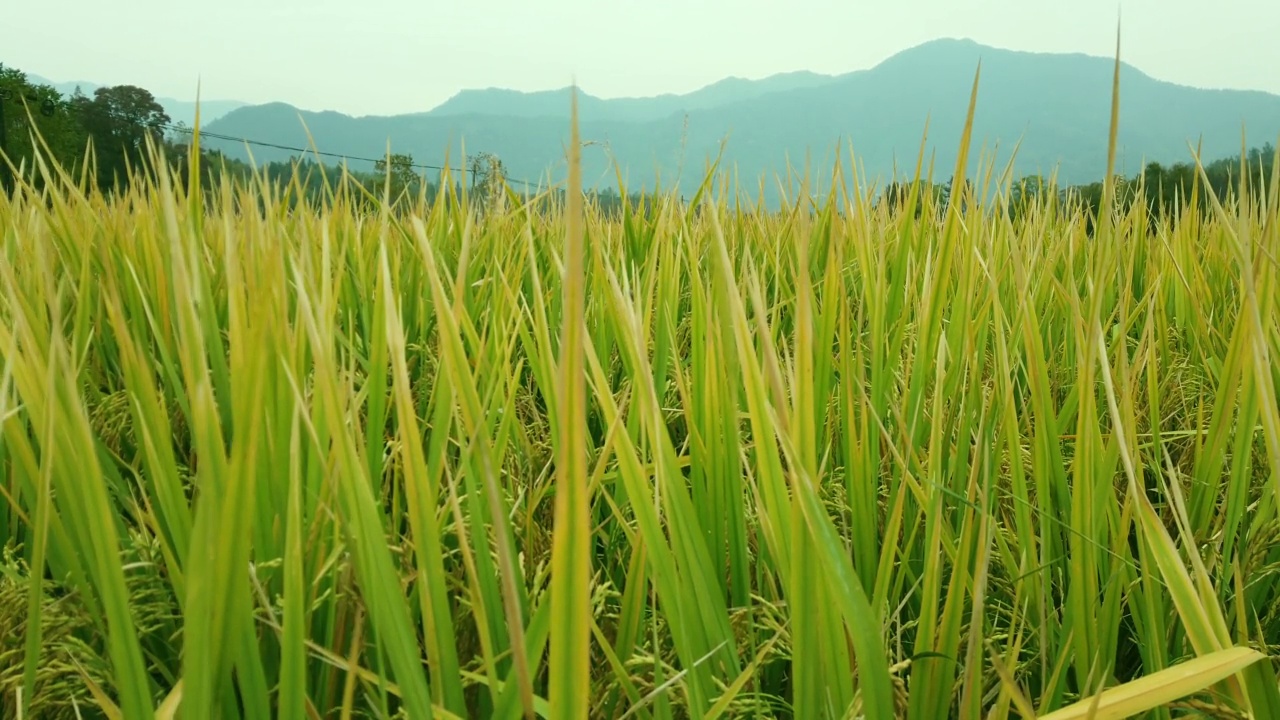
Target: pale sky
column 394, row 56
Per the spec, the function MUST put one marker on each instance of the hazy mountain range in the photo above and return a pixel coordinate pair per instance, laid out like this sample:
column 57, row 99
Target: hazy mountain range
column 183, row 111
column 1057, row 106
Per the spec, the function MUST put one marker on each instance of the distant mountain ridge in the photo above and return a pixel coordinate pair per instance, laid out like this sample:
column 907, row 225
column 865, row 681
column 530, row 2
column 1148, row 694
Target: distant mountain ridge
column 179, row 111
column 1057, row 106
column 555, row 103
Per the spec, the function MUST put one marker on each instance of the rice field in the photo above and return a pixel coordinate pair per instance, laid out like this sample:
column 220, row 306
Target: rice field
column 266, row 459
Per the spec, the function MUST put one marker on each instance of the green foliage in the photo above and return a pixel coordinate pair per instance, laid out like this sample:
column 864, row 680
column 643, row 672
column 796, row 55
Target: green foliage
column 401, row 176
column 277, row 448
column 70, row 652
column 122, row 121
column 33, row 114
column 108, row 136
column 842, row 461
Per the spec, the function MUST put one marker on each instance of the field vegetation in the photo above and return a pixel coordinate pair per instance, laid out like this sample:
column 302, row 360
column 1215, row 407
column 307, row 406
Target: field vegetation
column 269, row 457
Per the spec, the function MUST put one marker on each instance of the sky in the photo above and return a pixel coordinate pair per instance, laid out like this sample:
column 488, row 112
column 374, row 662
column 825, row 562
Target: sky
column 375, row 57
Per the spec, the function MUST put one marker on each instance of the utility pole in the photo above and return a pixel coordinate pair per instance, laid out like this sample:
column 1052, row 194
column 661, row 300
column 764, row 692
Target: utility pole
column 5, row 181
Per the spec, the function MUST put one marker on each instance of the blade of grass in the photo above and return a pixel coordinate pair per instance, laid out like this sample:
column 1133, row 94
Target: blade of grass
column 570, row 670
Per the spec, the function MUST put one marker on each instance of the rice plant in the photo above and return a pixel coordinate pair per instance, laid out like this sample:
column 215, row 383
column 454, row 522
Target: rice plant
column 269, row 458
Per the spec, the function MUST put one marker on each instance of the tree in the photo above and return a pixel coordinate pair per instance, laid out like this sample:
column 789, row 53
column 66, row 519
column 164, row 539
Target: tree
column 1028, row 192
column 31, row 109
column 179, row 135
column 400, row 168
column 964, row 195
column 488, row 173
column 120, row 120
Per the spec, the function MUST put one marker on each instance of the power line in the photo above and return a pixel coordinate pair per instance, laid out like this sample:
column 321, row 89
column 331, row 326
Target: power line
column 341, row 156
column 263, row 143
column 47, row 110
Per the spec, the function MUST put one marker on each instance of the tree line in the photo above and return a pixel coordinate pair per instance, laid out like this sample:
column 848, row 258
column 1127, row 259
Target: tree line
column 114, row 121
column 105, row 138
column 1164, row 189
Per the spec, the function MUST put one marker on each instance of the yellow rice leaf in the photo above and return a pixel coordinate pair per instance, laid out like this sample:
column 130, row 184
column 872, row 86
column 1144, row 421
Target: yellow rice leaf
column 1161, row 687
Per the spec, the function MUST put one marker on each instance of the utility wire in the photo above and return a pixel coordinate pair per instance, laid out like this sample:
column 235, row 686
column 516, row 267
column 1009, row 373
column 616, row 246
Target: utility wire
column 341, row 156
column 6, row 94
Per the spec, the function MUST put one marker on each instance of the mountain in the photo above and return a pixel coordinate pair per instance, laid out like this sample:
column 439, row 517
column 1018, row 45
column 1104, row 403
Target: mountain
column 179, row 111
column 555, row 103
column 1055, row 107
